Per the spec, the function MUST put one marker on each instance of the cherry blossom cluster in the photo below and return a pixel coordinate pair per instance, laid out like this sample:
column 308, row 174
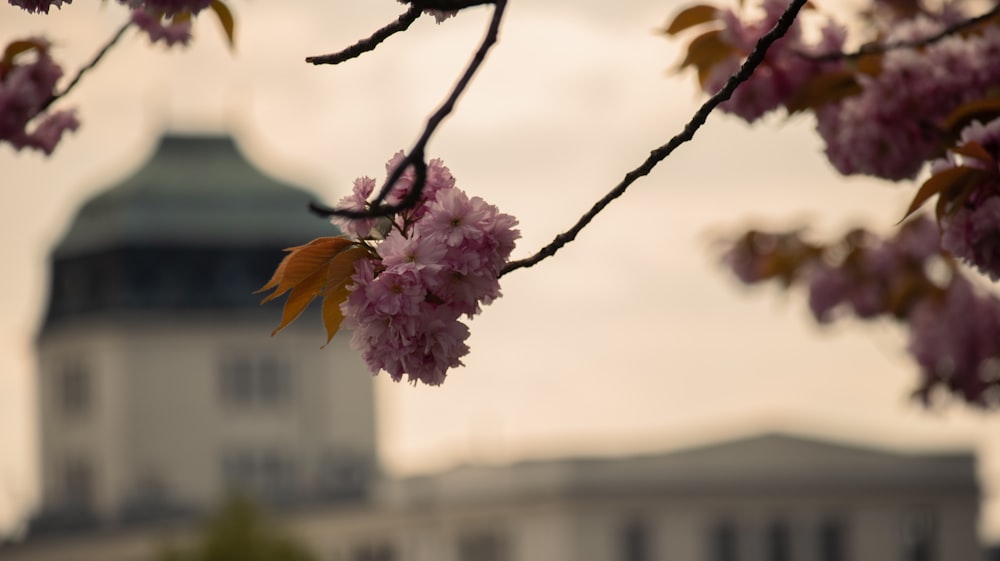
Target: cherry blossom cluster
column 895, row 124
column 971, row 229
column 436, row 262
column 924, row 89
column 883, row 114
column 954, row 328
column 27, row 86
column 28, row 73
column 784, row 69
column 955, row 338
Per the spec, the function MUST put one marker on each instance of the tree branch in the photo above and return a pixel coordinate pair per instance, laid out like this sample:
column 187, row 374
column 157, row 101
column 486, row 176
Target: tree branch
column 753, row 60
column 87, row 67
column 875, row 48
column 415, row 157
column 363, row 46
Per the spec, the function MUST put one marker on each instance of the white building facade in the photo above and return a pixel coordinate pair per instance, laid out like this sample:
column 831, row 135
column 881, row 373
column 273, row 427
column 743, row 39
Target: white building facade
column 770, row 498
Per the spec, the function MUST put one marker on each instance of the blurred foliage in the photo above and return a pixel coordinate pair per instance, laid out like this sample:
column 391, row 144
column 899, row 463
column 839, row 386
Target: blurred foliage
column 239, row 531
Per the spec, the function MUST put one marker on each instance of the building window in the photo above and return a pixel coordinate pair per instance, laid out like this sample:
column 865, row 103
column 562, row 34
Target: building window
column 254, row 381
column 374, row 552
column 634, row 541
column 778, row 542
column 917, row 535
column 482, row 546
column 267, row 473
column 78, row 482
column 73, row 388
column 832, row 540
column 723, row 542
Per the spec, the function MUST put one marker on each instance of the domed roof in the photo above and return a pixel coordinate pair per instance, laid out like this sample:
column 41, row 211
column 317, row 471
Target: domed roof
column 199, row 191
column 196, row 228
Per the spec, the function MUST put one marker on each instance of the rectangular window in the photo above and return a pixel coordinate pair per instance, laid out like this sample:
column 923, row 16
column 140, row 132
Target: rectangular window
column 723, row 542
column 634, row 541
column 917, row 535
column 778, row 542
column 482, row 546
column 73, row 388
column 78, row 482
column 832, row 540
column 267, row 473
column 247, row 381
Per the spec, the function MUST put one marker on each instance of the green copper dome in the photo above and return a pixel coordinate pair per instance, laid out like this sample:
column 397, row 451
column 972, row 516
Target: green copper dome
column 194, row 190
column 196, row 228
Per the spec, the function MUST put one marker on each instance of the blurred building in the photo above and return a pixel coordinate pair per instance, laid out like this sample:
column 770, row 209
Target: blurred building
column 161, row 390
column 767, row 498
column 160, row 387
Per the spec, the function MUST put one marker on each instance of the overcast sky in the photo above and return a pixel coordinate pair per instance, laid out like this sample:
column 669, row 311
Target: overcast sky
column 630, row 339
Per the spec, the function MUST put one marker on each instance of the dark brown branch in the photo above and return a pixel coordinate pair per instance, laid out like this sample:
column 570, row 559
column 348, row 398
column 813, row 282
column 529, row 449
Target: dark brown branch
column 415, row 157
column 87, row 67
column 447, row 4
column 659, row 154
column 363, row 46
column 879, row 48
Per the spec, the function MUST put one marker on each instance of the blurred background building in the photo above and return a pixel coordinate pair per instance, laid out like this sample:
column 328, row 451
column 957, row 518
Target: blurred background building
column 161, row 392
column 160, row 388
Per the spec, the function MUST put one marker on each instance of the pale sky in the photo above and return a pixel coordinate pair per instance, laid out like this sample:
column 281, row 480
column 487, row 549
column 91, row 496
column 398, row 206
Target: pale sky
column 631, row 339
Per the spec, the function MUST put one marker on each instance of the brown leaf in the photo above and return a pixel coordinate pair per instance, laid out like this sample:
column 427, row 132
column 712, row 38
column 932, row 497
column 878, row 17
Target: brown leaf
column 303, row 275
column 15, row 48
column 950, row 180
column 707, row 50
column 979, row 110
column 226, row 19
column 338, row 282
column 974, row 150
column 299, row 298
column 301, row 262
column 822, row 89
column 690, row 17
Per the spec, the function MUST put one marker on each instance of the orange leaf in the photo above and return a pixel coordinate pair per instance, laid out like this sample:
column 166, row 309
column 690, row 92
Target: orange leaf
column 338, row 281
column 300, row 297
column 952, row 179
column 690, row 17
column 226, row 19
column 301, row 262
column 303, row 274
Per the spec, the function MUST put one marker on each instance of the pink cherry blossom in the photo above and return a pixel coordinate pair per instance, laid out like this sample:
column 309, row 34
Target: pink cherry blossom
column 441, row 260
column 159, row 29
column 357, row 201
column 25, row 90
column 955, row 339
column 971, row 232
column 784, row 69
column 169, row 7
column 35, row 6
column 893, row 126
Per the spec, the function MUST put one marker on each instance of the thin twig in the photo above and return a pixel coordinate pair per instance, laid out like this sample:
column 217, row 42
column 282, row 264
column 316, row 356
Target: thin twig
column 448, row 4
column 87, row 67
column 368, row 44
column 875, row 48
column 415, row 157
column 754, row 59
